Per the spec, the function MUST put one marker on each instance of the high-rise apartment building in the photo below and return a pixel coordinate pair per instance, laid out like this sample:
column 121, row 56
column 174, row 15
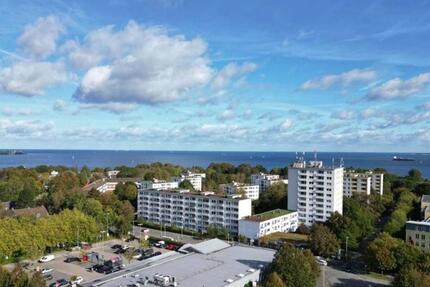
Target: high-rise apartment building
column 315, row 191
column 266, row 180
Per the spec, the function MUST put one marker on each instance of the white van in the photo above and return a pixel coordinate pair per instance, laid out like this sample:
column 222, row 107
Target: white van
column 47, row 258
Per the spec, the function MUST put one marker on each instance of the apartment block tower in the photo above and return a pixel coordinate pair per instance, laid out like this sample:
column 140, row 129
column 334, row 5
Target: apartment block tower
column 315, row 191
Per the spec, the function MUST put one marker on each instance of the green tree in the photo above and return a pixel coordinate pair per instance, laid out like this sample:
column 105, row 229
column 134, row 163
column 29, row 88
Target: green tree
column 275, row 197
column 322, row 241
column 37, row 280
column 5, row 278
column 186, row 184
column 19, row 277
column 127, row 191
column 273, row 280
column 26, row 198
column 410, row 277
column 295, row 267
column 380, row 253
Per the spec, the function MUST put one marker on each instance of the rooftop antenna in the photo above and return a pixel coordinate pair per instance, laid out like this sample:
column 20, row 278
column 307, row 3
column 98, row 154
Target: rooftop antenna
column 296, row 156
column 341, row 162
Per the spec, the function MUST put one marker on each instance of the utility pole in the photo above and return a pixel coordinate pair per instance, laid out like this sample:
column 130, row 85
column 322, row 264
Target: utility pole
column 346, row 247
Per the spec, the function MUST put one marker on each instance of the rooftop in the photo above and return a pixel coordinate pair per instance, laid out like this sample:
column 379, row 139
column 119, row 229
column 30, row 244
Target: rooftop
column 268, row 215
column 425, row 198
column 197, row 270
column 188, row 192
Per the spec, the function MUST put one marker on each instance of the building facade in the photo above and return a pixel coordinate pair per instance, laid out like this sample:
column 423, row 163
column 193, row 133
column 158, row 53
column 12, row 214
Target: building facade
column 159, row 184
column 196, row 179
column 363, row 182
column 264, row 181
column 251, row 191
column 418, row 234
column 258, row 225
column 315, row 191
column 192, row 211
column 425, row 206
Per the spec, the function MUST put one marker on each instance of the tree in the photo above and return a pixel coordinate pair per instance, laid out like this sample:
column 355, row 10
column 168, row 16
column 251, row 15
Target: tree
column 380, row 253
column 322, row 241
column 19, row 277
column 26, row 198
column 415, row 175
column 5, row 278
column 129, row 253
column 407, row 255
column 273, row 280
column 274, row 197
column 410, row 277
column 144, row 243
column 186, row 184
column 127, row 191
column 37, row 280
column 295, row 267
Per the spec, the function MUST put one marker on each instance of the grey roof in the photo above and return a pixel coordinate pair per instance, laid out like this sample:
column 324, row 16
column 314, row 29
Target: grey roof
column 425, row 198
column 197, row 270
column 206, row 247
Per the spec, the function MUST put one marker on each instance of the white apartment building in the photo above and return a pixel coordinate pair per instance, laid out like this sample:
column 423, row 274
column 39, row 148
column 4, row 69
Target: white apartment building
column 159, row 184
column 196, row 179
column 192, row 210
column 112, row 173
column 251, row 191
column 258, row 225
column 315, row 191
column 363, row 182
column 266, row 180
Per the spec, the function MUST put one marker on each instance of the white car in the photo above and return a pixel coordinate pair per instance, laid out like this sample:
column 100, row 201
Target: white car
column 78, row 280
column 46, row 270
column 321, row 261
column 47, row 258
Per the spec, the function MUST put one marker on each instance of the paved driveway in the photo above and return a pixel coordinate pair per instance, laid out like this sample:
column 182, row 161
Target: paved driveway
column 137, row 231
column 331, row 277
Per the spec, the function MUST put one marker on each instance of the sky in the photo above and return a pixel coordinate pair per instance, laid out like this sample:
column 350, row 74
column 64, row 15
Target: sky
column 215, row 75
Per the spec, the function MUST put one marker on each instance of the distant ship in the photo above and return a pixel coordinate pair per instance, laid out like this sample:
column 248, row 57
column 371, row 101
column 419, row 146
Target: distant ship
column 11, row 152
column 397, row 158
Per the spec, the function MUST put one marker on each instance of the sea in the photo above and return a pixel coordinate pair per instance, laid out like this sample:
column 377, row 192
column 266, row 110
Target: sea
column 114, row 158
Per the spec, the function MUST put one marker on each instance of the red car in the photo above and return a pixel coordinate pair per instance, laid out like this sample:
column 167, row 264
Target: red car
column 171, row 247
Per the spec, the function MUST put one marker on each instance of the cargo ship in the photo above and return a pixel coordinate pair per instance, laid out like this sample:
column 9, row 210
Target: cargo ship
column 397, row 158
column 11, row 152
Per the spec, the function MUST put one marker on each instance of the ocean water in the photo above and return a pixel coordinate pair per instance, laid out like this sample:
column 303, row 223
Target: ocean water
column 111, row 158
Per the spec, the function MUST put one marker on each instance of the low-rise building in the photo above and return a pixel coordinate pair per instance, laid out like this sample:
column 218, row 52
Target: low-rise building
column 194, row 211
column 362, row 182
column 418, row 234
column 159, row 184
column 108, row 185
column 196, row 179
column 112, row 173
column 251, row 191
column 266, row 180
column 258, row 225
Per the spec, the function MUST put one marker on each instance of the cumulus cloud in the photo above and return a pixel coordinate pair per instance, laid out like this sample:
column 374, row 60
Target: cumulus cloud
column 230, row 71
column 285, row 125
column 227, row 114
column 117, row 108
column 140, row 65
column 28, row 78
column 40, row 39
column 397, row 88
column 344, row 115
column 8, row 111
column 344, row 79
column 24, row 128
column 59, row 105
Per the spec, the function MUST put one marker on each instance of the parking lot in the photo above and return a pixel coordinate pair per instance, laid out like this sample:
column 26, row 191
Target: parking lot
column 63, row 270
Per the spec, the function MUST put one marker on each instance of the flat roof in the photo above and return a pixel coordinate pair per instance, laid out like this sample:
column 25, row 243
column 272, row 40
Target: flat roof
column 197, row 270
column 425, row 198
column 185, row 192
column 268, row 215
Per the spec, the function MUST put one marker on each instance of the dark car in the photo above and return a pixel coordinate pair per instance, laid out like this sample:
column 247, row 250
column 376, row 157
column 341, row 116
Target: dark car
column 72, row 259
column 116, row 246
column 47, row 277
column 60, row 283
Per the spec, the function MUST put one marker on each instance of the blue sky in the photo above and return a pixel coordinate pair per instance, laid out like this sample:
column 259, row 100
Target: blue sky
column 224, row 75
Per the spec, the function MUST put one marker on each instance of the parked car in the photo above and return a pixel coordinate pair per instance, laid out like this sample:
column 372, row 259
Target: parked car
column 171, row 247
column 60, row 283
column 160, row 244
column 46, row 270
column 116, row 246
column 321, row 261
column 48, row 277
column 77, row 280
column 46, row 258
column 72, row 259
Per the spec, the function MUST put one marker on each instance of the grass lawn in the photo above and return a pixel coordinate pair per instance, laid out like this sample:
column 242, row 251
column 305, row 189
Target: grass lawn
column 284, row 236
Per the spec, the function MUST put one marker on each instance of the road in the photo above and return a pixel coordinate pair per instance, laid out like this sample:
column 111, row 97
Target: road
column 333, row 277
column 138, row 232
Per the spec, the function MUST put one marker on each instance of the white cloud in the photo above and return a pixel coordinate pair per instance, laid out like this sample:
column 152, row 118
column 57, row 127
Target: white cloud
column 23, row 128
column 28, row 78
column 113, row 107
column 344, row 79
column 59, row 105
column 285, row 125
column 8, row 111
column 344, row 115
column 230, row 71
column 398, row 88
column 227, row 114
column 139, row 65
column 39, row 39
